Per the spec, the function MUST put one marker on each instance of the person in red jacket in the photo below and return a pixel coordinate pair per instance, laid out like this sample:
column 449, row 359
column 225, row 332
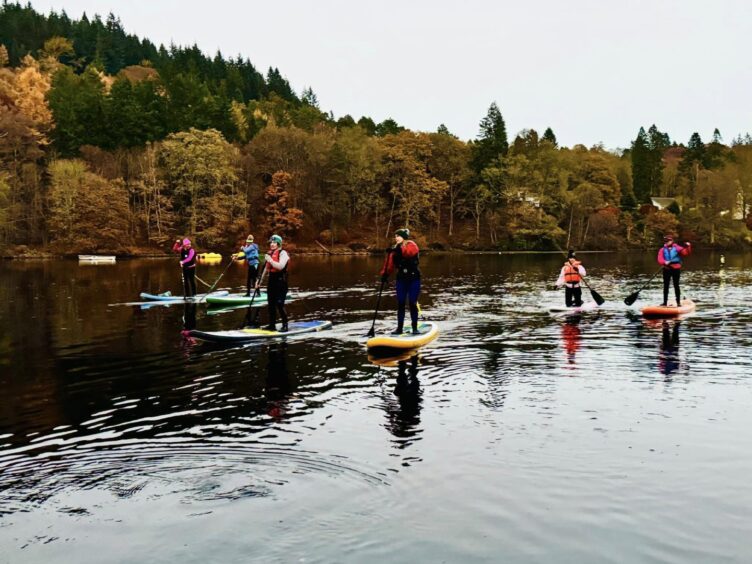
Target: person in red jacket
column 670, row 258
column 404, row 258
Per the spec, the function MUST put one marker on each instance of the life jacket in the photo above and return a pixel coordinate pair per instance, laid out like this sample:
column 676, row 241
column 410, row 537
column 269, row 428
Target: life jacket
column 277, row 274
column 572, row 272
column 671, row 255
column 184, row 254
column 406, row 267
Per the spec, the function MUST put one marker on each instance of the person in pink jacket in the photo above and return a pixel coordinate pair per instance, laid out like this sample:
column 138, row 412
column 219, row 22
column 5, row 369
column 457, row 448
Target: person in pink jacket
column 670, row 258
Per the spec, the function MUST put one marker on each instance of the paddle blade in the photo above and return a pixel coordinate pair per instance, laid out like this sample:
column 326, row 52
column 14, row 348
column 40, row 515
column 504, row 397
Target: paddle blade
column 631, row 298
column 371, row 333
column 597, row 297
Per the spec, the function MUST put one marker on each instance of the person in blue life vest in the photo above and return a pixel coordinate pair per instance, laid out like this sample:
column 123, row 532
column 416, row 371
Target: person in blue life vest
column 250, row 254
column 570, row 277
column 403, row 259
column 188, row 264
column 277, row 262
column 670, row 258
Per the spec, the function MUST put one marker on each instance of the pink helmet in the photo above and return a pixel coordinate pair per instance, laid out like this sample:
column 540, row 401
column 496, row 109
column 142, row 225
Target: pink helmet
column 186, row 241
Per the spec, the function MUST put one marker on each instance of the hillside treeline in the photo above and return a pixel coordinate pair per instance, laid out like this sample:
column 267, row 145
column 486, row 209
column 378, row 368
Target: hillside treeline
column 111, row 144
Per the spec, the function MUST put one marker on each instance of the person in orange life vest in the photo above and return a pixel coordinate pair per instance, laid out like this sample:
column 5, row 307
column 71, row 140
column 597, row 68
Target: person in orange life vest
column 670, row 258
column 277, row 261
column 570, row 277
column 403, row 258
column 188, row 262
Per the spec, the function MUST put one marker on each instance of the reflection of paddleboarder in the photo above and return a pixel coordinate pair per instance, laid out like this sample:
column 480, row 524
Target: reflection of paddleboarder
column 278, row 386
column 572, row 337
column 403, row 421
column 668, row 359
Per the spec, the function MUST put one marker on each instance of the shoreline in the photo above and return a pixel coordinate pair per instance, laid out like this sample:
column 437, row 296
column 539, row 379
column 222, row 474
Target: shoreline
column 307, row 251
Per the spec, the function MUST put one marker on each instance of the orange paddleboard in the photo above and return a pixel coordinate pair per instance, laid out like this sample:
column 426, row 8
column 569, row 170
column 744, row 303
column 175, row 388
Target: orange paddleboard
column 687, row 306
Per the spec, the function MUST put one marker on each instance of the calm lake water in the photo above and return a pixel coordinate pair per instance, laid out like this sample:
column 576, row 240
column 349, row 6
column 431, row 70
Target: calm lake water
column 517, row 436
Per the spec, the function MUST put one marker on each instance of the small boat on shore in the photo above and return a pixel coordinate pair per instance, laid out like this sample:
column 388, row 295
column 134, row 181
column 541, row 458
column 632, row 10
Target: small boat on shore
column 91, row 259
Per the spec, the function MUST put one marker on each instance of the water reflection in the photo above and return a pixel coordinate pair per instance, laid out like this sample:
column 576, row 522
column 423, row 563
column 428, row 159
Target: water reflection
column 279, row 386
column 571, row 336
column 403, row 405
column 668, row 359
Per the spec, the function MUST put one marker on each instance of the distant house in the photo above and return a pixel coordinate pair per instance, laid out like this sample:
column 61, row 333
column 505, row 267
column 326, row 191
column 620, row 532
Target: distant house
column 664, row 203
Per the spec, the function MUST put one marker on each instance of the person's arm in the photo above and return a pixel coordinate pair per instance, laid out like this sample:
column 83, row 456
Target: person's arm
column 410, row 250
column 661, row 258
column 560, row 280
column 176, row 246
column 582, row 270
column 388, row 267
column 281, row 263
column 686, row 249
column 188, row 258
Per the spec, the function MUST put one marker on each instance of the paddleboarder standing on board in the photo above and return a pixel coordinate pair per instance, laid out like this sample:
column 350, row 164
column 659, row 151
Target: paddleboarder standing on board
column 570, row 277
column 250, row 253
column 670, row 258
column 404, row 258
column 277, row 261
column 188, row 262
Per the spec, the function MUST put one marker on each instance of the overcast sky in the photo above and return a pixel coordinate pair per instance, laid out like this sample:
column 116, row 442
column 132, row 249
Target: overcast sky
column 593, row 70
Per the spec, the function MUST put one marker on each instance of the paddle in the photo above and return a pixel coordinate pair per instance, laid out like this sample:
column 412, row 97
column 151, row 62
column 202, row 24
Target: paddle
column 372, row 331
column 251, row 317
column 209, row 291
column 632, row 298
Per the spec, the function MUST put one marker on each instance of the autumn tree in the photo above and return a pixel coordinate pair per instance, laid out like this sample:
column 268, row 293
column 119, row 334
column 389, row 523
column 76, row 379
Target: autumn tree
column 280, row 218
column 199, row 166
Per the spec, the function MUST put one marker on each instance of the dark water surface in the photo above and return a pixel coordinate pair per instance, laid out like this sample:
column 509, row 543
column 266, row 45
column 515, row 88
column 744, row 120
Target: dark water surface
column 517, row 436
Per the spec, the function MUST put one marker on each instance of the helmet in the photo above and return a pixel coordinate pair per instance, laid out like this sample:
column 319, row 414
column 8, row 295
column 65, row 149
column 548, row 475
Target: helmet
column 275, row 239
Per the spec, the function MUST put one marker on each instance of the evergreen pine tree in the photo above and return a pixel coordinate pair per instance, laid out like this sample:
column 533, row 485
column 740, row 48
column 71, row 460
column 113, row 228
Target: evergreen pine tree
column 641, row 167
column 492, row 142
column 549, row 136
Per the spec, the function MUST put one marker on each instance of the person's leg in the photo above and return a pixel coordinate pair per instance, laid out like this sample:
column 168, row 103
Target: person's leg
column 253, row 271
column 281, row 297
column 192, row 281
column 248, row 278
column 677, row 292
column 577, row 296
column 271, row 307
column 666, row 280
column 186, row 286
column 568, row 296
column 413, row 294
column 402, row 289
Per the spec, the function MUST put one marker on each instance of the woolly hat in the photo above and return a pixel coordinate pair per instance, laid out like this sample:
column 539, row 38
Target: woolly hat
column 249, row 239
column 570, row 254
column 404, row 233
column 186, row 241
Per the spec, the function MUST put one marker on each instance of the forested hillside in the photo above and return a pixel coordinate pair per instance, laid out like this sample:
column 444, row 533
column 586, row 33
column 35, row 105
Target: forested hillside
column 109, row 143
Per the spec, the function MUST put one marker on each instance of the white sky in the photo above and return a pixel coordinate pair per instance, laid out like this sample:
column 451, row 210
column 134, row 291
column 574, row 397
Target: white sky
column 593, row 70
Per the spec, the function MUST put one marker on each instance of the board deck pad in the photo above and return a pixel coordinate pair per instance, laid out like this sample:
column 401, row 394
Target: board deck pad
column 427, row 332
column 252, row 334
column 655, row 311
column 238, row 299
column 169, row 297
column 589, row 306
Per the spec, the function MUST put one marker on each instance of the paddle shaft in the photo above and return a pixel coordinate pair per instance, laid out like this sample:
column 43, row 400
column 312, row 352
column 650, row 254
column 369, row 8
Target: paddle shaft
column 630, row 299
column 372, row 331
column 209, row 291
column 258, row 283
